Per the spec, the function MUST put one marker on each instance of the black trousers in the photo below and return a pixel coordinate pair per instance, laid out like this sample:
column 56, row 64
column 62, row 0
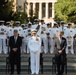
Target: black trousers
column 15, row 60
column 60, row 60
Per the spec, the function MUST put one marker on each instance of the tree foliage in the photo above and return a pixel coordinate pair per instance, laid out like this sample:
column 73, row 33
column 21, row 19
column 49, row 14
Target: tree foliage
column 20, row 16
column 65, row 10
column 33, row 15
column 6, row 11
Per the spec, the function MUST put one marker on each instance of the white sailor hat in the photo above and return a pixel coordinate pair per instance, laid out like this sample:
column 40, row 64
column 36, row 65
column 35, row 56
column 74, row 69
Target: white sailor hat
column 30, row 23
column 62, row 22
column 69, row 23
column 17, row 22
column 2, row 21
column 8, row 22
column 34, row 31
column 36, row 20
column 22, row 25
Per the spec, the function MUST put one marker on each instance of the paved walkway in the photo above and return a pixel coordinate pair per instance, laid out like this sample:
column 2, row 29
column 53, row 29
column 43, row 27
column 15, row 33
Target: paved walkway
column 47, row 73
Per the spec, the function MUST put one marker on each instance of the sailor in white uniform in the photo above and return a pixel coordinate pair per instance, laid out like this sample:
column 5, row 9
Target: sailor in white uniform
column 19, row 28
column 42, row 32
column 62, row 27
column 69, row 36
column 49, row 36
column 23, row 47
column 34, row 45
column 28, row 35
column 9, row 33
column 3, row 31
column 9, row 29
column 36, row 24
column 53, row 34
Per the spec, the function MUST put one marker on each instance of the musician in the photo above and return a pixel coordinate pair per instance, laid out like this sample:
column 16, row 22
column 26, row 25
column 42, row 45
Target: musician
column 42, row 33
column 28, row 35
column 23, row 48
column 34, row 45
column 15, row 43
column 36, row 24
column 60, row 54
column 53, row 33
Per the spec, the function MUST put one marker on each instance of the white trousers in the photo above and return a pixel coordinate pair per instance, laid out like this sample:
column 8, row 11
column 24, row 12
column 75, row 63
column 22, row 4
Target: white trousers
column 3, row 46
column 45, row 42
column 71, row 45
column 23, row 47
column 35, row 62
column 52, row 45
column 27, row 49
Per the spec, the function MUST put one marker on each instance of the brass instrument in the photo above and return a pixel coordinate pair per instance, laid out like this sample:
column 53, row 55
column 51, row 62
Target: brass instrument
column 29, row 32
column 42, row 30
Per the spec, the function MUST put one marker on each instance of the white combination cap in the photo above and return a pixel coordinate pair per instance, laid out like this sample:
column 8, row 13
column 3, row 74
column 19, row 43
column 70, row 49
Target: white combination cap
column 17, row 22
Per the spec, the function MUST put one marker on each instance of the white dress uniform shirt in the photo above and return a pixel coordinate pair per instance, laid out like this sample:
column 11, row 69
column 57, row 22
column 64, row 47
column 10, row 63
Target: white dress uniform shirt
column 62, row 28
column 50, row 32
column 75, row 30
column 28, row 33
column 3, row 29
column 70, row 32
column 34, row 45
column 55, row 32
column 34, row 26
column 44, row 29
column 10, row 31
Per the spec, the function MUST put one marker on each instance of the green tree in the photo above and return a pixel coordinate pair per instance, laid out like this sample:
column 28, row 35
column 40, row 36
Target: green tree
column 6, row 12
column 20, row 16
column 65, row 10
column 33, row 15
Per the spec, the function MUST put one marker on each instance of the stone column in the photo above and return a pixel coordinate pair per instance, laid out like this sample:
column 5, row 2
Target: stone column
column 33, row 9
column 52, row 10
column 46, row 12
column 40, row 10
column 28, row 9
column 15, row 5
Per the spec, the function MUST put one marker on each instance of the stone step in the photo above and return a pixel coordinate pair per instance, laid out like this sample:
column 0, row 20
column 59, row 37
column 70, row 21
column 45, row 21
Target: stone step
column 25, row 59
column 46, row 57
column 44, row 64
column 46, row 67
column 47, row 62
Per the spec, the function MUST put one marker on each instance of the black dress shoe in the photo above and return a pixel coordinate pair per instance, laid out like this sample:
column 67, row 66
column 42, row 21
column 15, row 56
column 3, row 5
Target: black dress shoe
column 58, row 74
column 18, row 73
column 61, row 74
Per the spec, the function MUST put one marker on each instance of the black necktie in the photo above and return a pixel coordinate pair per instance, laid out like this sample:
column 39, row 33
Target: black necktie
column 15, row 39
column 62, row 28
